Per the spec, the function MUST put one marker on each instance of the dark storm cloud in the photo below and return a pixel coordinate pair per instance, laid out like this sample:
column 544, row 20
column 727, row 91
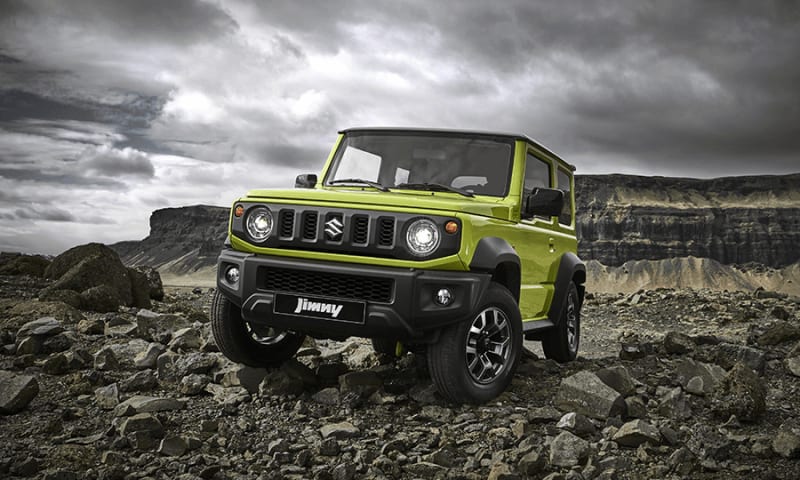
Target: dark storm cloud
column 175, row 21
column 36, row 175
column 294, row 155
column 51, row 214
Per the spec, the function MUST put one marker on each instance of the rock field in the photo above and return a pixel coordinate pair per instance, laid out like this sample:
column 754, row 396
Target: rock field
column 671, row 384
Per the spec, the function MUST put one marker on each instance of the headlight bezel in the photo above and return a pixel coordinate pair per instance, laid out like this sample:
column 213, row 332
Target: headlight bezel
column 252, row 229
column 417, row 227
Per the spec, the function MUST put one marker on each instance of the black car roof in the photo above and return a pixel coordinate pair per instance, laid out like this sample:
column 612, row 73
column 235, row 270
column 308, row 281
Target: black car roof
column 480, row 133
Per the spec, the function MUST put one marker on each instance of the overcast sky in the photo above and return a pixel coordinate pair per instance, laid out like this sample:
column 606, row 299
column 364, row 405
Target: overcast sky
column 109, row 110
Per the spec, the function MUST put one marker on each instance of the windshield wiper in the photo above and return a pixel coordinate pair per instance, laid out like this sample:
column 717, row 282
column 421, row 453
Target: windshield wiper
column 435, row 187
column 372, row 184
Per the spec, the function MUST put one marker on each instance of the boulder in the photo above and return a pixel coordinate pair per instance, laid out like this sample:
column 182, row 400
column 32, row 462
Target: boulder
column 618, row 378
column 741, row 393
column 19, row 264
column 16, row 392
column 144, row 404
column 70, row 297
column 568, row 450
column 339, row 430
column 674, row 405
column 154, row 285
column 243, row 376
column 678, row 343
column 729, row 354
column 792, row 360
column 102, row 298
column 779, row 332
column 709, row 375
column 41, row 327
column 635, row 433
column 585, row 393
column 142, row 422
column 577, row 424
column 140, row 288
column 786, row 444
column 86, row 266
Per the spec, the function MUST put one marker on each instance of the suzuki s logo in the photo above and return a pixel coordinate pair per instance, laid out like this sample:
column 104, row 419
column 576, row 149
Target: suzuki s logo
column 334, row 228
column 305, row 305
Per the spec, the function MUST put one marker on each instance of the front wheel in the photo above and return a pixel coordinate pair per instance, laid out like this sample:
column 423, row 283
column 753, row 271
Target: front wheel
column 562, row 343
column 249, row 344
column 474, row 361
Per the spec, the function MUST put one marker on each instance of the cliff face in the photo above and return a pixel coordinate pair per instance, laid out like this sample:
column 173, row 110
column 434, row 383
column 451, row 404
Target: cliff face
column 731, row 220
column 182, row 240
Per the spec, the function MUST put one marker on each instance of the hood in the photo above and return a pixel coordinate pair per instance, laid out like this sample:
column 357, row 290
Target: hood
column 396, row 199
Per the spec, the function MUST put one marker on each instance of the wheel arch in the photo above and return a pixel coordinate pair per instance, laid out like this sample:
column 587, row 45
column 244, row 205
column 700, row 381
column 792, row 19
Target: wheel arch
column 570, row 269
column 496, row 256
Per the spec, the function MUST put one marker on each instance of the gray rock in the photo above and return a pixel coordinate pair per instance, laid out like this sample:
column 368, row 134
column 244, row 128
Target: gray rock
column 155, row 286
column 43, row 327
column 637, row 432
column 145, row 404
column 185, row 339
column 91, row 326
column 544, row 414
column 425, row 394
column 193, row 384
column 339, row 430
column 674, row 405
column 741, row 393
column 682, row 462
column 90, row 266
column 173, row 446
column 142, row 422
column 585, row 393
column 148, row 358
column 362, row 382
column 501, row 471
column 244, row 376
column 16, row 392
column 678, row 343
column 618, row 378
column 278, row 382
column 710, row 375
column 56, row 364
column 139, row 382
column 729, row 354
column 779, row 332
column 697, row 386
column 299, row 371
column 532, row 463
column 101, row 298
column 568, row 450
column 327, row 396
column 79, row 359
column 793, row 365
column 140, row 288
column 30, row 346
column 424, row 469
column 577, row 424
column 329, row 447
column 230, row 396
column 786, row 444
column 107, row 397
column 106, row 359
column 636, row 407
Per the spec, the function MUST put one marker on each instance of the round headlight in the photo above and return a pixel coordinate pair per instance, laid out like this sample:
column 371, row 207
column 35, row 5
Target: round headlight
column 422, row 237
column 259, row 224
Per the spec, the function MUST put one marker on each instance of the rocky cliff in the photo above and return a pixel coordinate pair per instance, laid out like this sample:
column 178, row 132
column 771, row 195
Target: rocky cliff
column 731, row 220
column 182, row 240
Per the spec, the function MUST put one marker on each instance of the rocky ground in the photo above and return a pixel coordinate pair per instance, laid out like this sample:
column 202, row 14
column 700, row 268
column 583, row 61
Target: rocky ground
column 670, row 384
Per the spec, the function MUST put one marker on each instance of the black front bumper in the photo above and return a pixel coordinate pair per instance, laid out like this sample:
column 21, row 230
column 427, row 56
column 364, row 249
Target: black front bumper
column 408, row 311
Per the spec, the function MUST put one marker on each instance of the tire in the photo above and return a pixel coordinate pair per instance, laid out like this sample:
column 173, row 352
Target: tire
column 385, row 346
column 461, row 363
column 242, row 343
column 563, row 342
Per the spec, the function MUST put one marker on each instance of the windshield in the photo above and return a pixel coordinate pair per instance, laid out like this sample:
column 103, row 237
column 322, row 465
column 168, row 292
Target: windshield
column 424, row 161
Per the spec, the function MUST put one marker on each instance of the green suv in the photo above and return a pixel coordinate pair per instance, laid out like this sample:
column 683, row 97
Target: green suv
column 451, row 244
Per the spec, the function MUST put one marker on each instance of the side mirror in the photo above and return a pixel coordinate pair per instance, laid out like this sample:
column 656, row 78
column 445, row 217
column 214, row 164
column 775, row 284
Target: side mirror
column 544, row 202
column 306, row 180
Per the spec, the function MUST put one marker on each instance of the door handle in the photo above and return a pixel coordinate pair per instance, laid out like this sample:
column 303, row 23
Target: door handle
column 552, row 243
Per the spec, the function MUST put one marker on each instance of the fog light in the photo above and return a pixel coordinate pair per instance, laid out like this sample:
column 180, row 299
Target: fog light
column 444, row 297
column 232, row 274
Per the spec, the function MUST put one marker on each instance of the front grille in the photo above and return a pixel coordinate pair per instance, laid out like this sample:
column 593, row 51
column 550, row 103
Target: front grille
column 286, row 221
column 386, row 231
column 310, row 225
column 350, row 287
column 360, row 229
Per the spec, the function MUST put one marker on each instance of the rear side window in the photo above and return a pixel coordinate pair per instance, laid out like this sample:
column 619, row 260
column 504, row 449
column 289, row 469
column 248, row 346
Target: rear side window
column 564, row 184
column 537, row 174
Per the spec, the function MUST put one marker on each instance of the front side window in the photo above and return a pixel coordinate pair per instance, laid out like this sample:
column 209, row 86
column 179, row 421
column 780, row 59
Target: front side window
column 475, row 164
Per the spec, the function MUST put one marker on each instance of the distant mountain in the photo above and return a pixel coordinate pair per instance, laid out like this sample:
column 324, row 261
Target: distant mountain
column 693, row 225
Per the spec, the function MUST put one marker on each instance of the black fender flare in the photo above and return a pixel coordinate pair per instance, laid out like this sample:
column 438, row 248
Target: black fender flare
column 569, row 267
column 492, row 252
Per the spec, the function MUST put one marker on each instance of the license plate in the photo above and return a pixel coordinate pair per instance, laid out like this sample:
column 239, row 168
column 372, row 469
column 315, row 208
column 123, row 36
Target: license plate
column 319, row 307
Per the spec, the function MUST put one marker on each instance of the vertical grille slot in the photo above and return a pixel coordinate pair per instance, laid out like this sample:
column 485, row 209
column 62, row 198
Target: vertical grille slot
column 310, row 225
column 386, row 231
column 360, row 229
column 286, row 222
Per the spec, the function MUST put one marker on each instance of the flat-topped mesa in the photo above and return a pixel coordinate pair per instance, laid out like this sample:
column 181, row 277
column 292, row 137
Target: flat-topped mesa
column 733, row 220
